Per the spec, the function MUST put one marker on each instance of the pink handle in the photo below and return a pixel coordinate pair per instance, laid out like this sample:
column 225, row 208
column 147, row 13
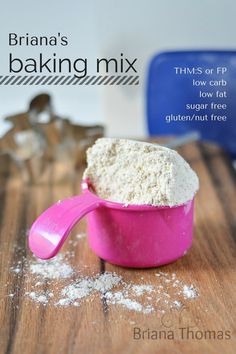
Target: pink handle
column 51, row 228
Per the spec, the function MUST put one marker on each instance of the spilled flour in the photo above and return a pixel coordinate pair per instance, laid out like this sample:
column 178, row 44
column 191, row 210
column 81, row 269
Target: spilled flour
column 132, row 172
column 54, row 268
column 59, row 284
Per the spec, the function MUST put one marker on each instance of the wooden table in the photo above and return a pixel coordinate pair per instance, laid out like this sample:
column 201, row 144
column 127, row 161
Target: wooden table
column 210, row 265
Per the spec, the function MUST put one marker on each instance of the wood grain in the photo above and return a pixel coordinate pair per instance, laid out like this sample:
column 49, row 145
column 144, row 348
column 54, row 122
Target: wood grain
column 210, row 265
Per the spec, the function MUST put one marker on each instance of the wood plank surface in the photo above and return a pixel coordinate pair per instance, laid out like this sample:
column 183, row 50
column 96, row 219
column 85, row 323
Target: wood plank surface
column 96, row 326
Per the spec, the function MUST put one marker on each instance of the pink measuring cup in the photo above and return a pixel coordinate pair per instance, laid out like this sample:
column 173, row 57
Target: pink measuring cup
column 133, row 236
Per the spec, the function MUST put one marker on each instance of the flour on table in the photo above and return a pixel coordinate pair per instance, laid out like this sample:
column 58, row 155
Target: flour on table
column 80, row 235
column 59, row 284
column 189, row 292
column 132, row 172
column 54, row 268
column 85, row 286
column 141, row 289
column 37, row 297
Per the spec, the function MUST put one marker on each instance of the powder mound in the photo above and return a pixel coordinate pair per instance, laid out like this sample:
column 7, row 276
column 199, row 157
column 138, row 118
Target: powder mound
column 189, row 292
column 84, row 287
column 54, row 268
column 132, row 172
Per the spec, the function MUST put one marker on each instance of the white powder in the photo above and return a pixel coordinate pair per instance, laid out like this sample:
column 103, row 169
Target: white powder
column 57, row 283
column 84, row 287
column 132, row 172
column 106, row 281
column 81, row 235
column 141, row 289
column 177, row 303
column 42, row 298
column 75, row 291
column 118, row 298
column 17, row 270
column 189, row 292
column 116, row 291
column 52, row 269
